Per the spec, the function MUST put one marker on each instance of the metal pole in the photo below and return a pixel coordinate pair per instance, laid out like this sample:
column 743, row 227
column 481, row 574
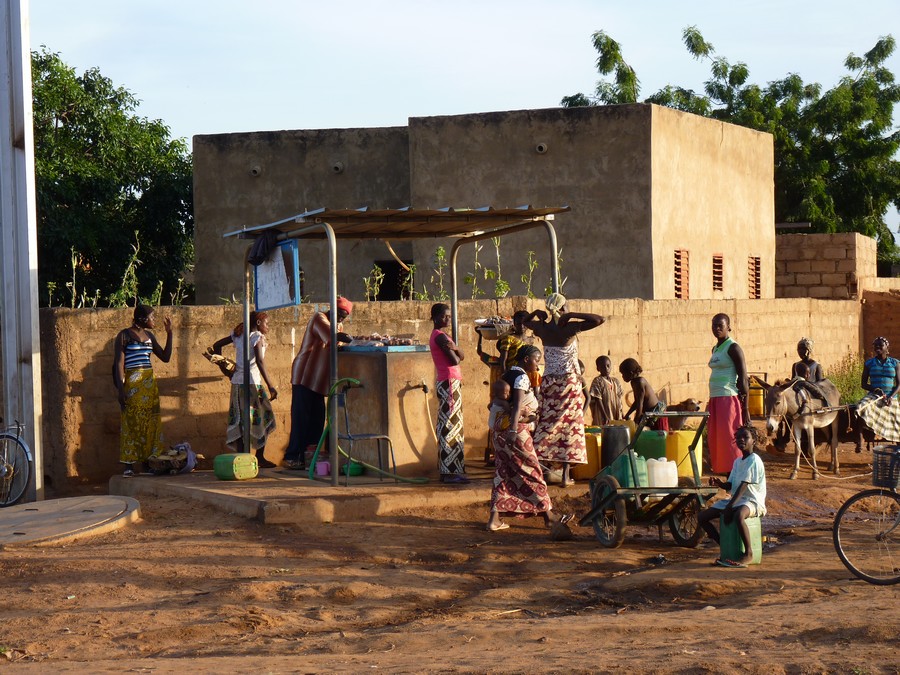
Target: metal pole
column 332, row 295
column 20, row 334
column 245, row 385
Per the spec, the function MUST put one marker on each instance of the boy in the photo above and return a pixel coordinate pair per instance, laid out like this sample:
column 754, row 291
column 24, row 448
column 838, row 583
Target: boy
column 747, row 485
column 645, row 398
column 606, row 394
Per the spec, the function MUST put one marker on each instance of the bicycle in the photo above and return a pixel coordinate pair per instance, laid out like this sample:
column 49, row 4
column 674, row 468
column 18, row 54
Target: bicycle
column 15, row 465
column 866, row 528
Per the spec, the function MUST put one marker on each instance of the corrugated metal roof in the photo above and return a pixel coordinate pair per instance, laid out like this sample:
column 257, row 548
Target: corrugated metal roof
column 404, row 223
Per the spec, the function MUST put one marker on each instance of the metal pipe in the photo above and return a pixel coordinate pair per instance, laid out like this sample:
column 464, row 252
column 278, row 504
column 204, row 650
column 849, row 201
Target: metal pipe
column 245, row 385
column 512, row 229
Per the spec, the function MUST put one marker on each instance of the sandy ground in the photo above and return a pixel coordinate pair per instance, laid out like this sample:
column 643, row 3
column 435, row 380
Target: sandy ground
column 431, row 591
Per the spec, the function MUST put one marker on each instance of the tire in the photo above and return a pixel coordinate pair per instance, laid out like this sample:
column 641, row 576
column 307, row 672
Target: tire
column 867, row 536
column 609, row 526
column 683, row 523
column 15, row 469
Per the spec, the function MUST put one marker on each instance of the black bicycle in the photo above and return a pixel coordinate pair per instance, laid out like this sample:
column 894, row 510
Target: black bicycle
column 15, row 465
column 866, row 528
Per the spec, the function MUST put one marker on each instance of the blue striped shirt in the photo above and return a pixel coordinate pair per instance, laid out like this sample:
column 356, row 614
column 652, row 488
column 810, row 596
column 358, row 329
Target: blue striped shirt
column 882, row 374
column 137, row 354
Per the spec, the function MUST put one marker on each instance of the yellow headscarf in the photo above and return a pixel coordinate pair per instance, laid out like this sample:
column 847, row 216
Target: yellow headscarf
column 555, row 302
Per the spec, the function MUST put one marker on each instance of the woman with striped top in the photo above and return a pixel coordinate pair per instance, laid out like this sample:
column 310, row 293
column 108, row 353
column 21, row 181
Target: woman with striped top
column 138, row 393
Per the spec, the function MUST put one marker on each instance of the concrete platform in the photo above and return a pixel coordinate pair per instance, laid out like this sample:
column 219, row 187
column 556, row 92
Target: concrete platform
column 57, row 521
column 283, row 496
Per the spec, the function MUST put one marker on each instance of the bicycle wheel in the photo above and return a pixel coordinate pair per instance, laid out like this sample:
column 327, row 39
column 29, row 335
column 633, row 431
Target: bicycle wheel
column 609, row 526
column 867, row 536
column 15, row 469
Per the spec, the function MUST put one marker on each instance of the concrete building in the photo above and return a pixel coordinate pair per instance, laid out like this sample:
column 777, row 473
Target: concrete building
column 665, row 204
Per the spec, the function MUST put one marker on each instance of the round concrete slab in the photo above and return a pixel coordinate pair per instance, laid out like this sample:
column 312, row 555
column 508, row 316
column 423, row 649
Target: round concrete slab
column 59, row 520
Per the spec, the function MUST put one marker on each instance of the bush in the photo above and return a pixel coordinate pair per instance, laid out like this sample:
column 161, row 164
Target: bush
column 847, row 377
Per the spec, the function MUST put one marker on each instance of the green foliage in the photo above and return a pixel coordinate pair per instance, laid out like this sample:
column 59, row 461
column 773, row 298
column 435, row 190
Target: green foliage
column 528, row 277
column 438, row 271
column 408, row 284
column 835, row 152
column 101, row 174
column 847, row 377
column 472, row 277
column 373, row 282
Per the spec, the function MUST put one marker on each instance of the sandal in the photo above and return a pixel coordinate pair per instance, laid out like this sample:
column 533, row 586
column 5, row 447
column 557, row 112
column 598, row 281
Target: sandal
column 501, row 526
column 129, row 473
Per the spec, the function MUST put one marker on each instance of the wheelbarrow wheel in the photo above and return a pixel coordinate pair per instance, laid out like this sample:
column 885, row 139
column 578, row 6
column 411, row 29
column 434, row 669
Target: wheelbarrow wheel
column 684, row 523
column 609, row 525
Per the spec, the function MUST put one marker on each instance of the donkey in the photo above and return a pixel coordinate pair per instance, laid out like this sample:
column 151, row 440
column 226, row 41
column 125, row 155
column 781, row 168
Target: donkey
column 781, row 401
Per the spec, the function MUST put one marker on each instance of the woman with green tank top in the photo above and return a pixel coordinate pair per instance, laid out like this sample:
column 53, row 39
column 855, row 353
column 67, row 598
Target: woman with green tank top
column 728, row 387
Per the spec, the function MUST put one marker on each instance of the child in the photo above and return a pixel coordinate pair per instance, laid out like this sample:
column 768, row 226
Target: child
column 499, row 406
column 605, row 395
column 806, row 390
column 747, row 485
column 584, row 388
column 645, row 399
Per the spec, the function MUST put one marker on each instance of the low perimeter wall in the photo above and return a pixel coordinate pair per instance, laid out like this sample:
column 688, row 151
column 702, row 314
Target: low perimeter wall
column 670, row 338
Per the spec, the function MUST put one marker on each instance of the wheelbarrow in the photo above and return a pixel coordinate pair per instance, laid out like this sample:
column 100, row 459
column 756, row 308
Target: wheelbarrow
column 618, row 496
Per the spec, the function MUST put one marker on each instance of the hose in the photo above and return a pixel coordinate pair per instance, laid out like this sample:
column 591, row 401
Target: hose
column 349, row 382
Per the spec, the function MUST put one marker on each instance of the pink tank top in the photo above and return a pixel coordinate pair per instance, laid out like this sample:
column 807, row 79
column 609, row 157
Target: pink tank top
column 445, row 370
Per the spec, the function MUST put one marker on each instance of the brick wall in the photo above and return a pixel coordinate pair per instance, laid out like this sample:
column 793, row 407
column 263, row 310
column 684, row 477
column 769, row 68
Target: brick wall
column 670, row 338
column 824, row 266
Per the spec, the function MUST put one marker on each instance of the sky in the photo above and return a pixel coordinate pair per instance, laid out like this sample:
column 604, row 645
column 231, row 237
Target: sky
column 206, row 67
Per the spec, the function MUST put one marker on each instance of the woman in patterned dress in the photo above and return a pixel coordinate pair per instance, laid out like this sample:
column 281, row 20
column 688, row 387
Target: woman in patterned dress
column 141, row 435
column 559, row 435
column 447, row 356
column 519, row 488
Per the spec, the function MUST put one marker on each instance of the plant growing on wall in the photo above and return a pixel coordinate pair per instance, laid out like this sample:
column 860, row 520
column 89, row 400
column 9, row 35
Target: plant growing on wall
column 472, row 277
column 408, row 284
column 437, row 274
column 528, row 277
column 562, row 282
column 501, row 286
column 373, row 282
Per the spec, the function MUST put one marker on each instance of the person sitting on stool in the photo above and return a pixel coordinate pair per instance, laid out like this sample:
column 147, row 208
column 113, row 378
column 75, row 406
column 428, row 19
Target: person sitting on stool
column 747, row 485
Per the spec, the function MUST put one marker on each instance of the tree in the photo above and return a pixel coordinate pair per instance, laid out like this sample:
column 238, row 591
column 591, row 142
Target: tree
column 835, row 153
column 114, row 192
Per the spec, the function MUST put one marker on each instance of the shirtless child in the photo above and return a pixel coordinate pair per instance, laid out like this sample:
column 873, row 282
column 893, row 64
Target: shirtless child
column 499, row 406
column 645, row 398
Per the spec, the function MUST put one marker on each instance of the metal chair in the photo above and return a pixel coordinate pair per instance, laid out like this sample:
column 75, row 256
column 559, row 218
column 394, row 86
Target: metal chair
column 351, row 438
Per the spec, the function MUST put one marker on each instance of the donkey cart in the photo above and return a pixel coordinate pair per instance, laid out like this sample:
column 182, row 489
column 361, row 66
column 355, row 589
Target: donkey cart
column 620, row 494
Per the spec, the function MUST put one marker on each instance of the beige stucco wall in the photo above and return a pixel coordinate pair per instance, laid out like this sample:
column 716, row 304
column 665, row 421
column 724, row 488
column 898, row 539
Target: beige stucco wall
column 250, row 179
column 641, row 181
column 671, row 339
column 597, row 161
column 713, row 194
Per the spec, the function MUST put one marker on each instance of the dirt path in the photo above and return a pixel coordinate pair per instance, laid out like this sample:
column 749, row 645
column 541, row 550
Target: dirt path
column 431, row 591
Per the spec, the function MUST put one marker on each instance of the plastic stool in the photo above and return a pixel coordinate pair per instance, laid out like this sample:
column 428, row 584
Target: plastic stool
column 731, row 546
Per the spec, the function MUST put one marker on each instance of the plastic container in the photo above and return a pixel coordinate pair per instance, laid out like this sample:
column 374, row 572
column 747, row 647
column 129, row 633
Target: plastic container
column 678, row 445
column 323, row 468
column 629, row 424
column 620, row 469
column 352, row 469
column 886, row 466
column 235, row 466
column 731, row 546
column 662, row 473
column 756, row 400
column 651, row 444
column 615, row 440
column 593, row 442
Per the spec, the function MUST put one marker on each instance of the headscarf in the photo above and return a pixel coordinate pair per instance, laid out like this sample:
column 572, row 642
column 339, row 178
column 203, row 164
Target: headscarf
column 555, row 302
column 805, row 342
column 882, row 340
column 344, row 304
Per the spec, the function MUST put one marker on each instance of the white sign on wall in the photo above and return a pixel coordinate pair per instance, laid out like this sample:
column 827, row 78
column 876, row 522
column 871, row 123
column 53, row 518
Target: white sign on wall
column 277, row 280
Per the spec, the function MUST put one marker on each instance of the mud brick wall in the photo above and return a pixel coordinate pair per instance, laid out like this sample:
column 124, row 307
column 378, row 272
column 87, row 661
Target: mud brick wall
column 823, row 266
column 670, row 338
column 881, row 317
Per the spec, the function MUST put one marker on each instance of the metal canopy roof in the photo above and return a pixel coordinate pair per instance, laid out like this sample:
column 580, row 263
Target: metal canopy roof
column 403, row 223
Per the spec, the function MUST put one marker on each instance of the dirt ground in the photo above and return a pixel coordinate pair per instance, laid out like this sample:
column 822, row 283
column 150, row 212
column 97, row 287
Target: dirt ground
column 432, row 591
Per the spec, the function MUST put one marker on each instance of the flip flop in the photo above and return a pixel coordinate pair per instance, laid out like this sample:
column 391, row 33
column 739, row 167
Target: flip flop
column 501, row 526
column 725, row 562
column 565, row 518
